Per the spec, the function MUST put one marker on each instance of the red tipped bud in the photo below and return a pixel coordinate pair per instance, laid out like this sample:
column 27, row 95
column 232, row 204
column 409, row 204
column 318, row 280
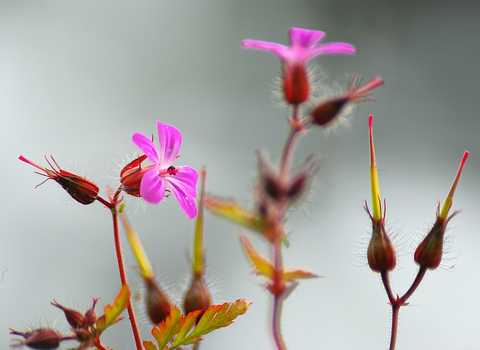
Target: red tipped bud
column 197, row 297
column 91, row 315
column 295, row 83
column 381, row 253
column 40, row 338
column 79, row 188
column 74, row 318
column 328, row 111
column 132, row 175
column 158, row 305
column 429, row 252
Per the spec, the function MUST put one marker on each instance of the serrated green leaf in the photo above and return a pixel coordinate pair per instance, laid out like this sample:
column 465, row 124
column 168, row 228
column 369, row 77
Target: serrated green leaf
column 178, row 326
column 149, row 345
column 187, row 325
column 169, row 328
column 218, row 316
column 112, row 312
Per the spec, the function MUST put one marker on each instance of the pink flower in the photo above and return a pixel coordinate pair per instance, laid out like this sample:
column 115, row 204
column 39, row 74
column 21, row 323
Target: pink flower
column 303, row 46
column 182, row 180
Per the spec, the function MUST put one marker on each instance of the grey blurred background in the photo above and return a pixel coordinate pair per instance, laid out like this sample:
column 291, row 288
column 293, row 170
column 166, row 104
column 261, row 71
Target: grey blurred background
column 78, row 78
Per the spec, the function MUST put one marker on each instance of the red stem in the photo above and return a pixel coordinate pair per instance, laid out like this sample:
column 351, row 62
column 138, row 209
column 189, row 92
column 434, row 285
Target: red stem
column 398, row 302
column 393, row 338
column 415, row 284
column 123, row 278
column 297, row 126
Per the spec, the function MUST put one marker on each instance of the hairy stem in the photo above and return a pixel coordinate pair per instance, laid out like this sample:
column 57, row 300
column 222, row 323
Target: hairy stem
column 399, row 302
column 123, row 279
column 290, row 143
column 386, row 284
column 415, row 284
column 393, row 338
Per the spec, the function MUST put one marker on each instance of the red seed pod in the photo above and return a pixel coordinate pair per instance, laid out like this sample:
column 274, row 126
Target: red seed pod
column 79, row 188
column 328, row 111
column 158, row 305
column 381, row 253
column 74, row 318
column 429, row 252
column 132, row 175
column 40, row 338
column 197, row 297
column 296, row 86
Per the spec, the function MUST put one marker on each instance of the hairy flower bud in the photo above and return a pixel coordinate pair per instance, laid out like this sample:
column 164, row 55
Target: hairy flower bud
column 328, row 111
column 79, row 188
column 429, row 252
column 197, row 297
column 91, row 315
column 39, row 338
column 74, row 318
column 282, row 186
column 295, row 83
column 158, row 305
column 381, row 253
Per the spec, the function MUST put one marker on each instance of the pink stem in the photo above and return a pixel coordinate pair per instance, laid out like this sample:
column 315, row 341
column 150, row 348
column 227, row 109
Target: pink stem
column 277, row 333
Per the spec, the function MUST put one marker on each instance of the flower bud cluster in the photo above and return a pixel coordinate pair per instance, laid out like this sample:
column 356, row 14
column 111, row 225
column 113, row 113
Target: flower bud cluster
column 81, row 323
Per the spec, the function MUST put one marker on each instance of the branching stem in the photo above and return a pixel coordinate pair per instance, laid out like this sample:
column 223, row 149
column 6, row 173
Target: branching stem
column 398, row 302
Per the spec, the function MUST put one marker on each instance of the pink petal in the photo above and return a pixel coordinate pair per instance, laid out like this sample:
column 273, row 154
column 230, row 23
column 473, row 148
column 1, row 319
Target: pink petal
column 152, row 187
column 304, row 37
column 333, row 49
column 147, row 146
column 183, row 186
column 277, row 49
column 170, row 142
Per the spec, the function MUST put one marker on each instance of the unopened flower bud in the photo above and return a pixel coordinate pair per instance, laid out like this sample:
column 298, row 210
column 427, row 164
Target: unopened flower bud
column 197, row 297
column 300, row 182
column 79, row 188
column 91, row 315
column 132, row 175
column 295, row 83
column 74, row 318
column 328, row 111
column 158, row 305
column 40, row 338
column 381, row 253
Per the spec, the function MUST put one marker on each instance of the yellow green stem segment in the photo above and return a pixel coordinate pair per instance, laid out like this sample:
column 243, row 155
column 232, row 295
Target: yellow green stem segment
column 448, row 201
column 376, row 201
column 198, row 252
column 139, row 254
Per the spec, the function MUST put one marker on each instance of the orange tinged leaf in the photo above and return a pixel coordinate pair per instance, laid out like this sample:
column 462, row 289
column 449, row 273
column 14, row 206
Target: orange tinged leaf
column 113, row 311
column 261, row 265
